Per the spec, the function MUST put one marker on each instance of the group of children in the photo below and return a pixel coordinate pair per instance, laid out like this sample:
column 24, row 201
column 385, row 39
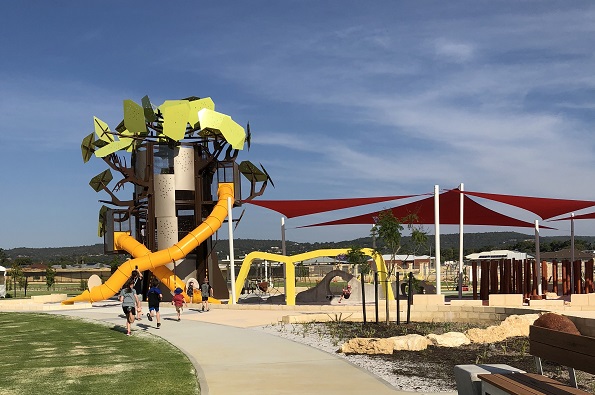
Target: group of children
column 131, row 298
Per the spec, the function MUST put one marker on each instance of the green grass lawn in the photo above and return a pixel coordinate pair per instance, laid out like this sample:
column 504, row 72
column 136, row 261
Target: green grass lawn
column 50, row 354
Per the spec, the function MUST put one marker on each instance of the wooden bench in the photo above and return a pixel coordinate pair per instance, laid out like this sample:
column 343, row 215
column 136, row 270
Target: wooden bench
column 572, row 351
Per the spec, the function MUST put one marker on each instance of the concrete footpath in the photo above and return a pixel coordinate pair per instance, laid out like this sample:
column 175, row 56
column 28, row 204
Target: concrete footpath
column 231, row 357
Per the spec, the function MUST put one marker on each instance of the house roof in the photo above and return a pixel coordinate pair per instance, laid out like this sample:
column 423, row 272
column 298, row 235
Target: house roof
column 404, row 257
column 498, row 254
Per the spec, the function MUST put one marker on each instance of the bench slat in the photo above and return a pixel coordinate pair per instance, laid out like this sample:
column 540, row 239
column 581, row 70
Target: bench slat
column 529, row 384
column 566, row 349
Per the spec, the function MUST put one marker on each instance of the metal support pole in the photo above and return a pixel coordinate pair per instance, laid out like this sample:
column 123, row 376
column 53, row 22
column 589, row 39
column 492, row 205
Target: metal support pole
column 538, row 259
column 437, row 237
column 376, row 294
column 386, row 285
column 409, row 297
column 572, row 253
column 284, row 252
column 461, row 204
column 363, row 297
column 398, row 300
column 232, row 268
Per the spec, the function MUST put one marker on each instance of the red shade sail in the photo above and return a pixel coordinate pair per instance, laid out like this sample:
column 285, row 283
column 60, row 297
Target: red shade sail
column 544, row 207
column 298, row 208
column 581, row 216
column 474, row 213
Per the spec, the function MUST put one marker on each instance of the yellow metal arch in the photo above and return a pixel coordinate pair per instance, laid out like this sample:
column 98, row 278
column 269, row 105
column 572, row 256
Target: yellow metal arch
column 289, row 262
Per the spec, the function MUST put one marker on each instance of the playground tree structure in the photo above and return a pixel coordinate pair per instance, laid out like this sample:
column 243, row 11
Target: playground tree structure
column 175, row 156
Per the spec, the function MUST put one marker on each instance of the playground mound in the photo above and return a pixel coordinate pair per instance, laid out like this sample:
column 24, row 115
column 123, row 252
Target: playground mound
column 429, row 370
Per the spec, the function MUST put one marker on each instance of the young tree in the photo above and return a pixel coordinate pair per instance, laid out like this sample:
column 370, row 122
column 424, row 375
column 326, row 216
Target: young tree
column 357, row 258
column 50, row 277
column 389, row 229
column 17, row 276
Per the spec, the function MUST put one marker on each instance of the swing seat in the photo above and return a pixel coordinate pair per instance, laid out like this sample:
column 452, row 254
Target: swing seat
column 263, row 286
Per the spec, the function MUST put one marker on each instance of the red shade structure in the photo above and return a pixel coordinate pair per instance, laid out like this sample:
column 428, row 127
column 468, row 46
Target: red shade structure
column 544, row 207
column 298, row 208
column 581, row 216
column 473, row 214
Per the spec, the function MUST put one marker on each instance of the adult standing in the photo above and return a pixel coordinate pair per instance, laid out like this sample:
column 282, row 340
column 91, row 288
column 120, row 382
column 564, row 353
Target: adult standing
column 206, row 290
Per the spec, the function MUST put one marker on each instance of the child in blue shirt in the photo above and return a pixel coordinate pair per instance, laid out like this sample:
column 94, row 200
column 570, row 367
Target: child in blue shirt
column 154, row 297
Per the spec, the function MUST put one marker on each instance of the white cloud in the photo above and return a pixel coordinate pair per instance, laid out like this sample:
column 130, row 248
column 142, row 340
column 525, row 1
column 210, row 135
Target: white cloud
column 453, row 51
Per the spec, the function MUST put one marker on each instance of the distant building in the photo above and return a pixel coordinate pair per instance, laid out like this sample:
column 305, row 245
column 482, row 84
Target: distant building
column 498, row 254
column 407, row 261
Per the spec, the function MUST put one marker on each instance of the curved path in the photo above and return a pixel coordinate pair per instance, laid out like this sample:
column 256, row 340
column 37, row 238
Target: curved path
column 231, row 357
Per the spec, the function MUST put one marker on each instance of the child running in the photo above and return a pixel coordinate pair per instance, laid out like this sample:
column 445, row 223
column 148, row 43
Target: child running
column 179, row 301
column 129, row 304
column 154, row 297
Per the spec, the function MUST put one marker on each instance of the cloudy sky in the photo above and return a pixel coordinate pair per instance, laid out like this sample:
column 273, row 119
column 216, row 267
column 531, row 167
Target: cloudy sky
column 344, row 98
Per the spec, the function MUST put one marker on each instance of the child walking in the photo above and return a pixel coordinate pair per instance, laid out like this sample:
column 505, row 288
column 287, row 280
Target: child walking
column 129, row 304
column 154, row 297
column 179, row 301
column 205, row 291
column 190, row 290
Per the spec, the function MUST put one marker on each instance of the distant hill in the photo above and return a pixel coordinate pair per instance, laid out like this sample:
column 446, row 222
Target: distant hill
column 449, row 244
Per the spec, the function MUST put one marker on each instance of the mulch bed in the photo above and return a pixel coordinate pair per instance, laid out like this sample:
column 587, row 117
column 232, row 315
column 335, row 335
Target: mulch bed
column 437, row 363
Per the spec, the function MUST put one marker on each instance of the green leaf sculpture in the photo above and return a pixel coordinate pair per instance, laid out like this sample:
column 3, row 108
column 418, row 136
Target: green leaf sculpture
column 101, row 180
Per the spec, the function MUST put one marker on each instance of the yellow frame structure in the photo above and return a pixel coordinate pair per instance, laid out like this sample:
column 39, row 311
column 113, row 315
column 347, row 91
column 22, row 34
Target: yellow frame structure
column 289, row 262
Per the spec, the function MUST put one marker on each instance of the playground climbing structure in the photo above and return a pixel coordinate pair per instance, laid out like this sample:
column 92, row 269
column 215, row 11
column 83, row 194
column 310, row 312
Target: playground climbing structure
column 180, row 159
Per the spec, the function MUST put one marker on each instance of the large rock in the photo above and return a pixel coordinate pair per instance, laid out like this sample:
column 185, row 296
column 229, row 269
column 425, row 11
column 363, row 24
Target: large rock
column 512, row 326
column 410, row 343
column 557, row 322
column 449, row 339
column 369, row 346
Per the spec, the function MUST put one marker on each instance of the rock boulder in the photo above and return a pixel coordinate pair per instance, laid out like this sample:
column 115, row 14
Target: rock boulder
column 410, row 343
column 512, row 326
column 449, row 339
column 557, row 322
column 368, row 346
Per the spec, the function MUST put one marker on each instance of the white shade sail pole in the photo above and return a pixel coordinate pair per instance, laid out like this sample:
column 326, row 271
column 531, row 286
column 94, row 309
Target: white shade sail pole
column 538, row 258
column 572, row 253
column 437, row 237
column 283, row 250
column 461, row 206
column 232, row 268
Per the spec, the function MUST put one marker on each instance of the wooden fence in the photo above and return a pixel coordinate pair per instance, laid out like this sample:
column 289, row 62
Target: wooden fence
column 506, row 276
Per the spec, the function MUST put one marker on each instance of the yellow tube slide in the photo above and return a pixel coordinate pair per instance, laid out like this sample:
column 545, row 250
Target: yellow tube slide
column 155, row 261
column 290, row 261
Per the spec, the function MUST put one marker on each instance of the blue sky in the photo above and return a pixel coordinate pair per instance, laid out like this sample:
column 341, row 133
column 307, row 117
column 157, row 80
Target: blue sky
column 344, row 98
